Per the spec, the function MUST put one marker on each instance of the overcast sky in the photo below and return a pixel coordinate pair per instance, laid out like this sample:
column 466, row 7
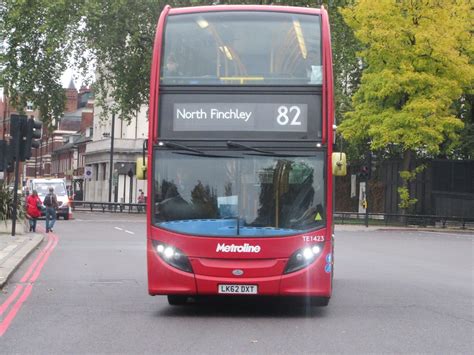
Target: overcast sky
column 66, row 78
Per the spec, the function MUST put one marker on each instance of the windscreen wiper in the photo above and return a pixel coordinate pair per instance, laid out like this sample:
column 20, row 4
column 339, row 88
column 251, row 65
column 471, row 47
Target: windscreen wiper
column 248, row 147
column 193, row 151
column 183, row 147
column 261, row 151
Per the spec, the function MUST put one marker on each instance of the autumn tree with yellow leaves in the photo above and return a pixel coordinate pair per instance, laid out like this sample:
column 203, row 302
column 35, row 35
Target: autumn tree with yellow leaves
column 418, row 61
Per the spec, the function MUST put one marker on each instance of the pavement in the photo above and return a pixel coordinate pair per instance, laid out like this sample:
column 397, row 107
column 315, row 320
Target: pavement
column 14, row 250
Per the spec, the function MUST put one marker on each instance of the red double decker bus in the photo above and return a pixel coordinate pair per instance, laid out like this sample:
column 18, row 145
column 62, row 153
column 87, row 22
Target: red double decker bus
column 239, row 153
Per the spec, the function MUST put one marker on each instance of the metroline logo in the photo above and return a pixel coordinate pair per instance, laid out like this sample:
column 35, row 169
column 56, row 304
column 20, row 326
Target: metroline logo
column 232, row 248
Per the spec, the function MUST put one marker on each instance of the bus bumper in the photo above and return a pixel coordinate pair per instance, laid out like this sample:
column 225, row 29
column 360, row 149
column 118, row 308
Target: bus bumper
column 309, row 281
column 314, row 280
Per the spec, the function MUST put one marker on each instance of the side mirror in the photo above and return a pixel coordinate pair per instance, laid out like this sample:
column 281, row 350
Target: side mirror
column 339, row 164
column 141, row 168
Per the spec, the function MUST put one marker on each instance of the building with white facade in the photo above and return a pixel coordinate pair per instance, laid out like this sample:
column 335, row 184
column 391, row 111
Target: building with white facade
column 128, row 145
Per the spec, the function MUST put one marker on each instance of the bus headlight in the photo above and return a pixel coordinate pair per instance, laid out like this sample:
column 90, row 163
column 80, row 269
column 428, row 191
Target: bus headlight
column 303, row 257
column 172, row 256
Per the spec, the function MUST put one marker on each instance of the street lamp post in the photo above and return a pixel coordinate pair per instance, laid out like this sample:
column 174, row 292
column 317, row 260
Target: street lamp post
column 130, row 194
column 111, row 170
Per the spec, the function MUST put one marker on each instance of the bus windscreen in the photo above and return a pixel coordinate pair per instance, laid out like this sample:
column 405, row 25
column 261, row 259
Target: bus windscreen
column 224, row 50
column 246, row 195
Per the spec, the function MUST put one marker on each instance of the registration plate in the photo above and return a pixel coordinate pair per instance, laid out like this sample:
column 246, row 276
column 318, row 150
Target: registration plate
column 239, row 289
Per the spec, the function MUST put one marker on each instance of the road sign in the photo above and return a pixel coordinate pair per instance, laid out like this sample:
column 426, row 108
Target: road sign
column 88, row 172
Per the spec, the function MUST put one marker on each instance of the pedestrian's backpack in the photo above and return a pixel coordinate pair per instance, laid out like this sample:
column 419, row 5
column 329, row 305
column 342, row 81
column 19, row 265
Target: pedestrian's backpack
column 48, row 201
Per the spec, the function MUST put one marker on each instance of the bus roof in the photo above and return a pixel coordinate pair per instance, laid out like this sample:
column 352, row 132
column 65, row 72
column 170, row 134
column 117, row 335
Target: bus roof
column 290, row 9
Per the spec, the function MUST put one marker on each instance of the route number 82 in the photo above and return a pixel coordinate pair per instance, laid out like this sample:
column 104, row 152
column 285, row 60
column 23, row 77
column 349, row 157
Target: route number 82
column 288, row 116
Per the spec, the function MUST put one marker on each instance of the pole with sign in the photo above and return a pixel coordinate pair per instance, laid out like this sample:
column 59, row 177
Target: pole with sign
column 88, row 172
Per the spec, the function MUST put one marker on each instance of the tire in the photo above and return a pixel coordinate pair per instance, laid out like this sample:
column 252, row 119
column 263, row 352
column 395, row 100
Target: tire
column 177, row 300
column 320, row 301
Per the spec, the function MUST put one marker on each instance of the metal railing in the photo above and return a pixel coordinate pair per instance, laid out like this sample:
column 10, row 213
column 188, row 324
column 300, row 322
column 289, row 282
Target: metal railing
column 394, row 219
column 375, row 219
column 117, row 207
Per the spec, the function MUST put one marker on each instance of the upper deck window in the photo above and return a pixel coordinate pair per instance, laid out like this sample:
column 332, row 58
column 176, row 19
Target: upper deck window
column 242, row 48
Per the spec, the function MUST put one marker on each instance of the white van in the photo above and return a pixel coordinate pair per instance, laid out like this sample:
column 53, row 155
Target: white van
column 42, row 187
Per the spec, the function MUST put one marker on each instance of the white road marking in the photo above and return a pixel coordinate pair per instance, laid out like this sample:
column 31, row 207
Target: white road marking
column 124, row 230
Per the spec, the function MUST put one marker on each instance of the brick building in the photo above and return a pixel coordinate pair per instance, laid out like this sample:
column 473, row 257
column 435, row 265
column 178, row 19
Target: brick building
column 42, row 163
column 53, row 137
column 68, row 159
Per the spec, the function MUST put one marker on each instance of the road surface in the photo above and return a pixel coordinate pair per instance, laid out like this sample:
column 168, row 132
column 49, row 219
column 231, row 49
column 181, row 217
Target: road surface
column 395, row 292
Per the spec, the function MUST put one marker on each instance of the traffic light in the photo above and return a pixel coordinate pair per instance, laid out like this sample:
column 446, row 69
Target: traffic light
column 364, row 173
column 6, row 160
column 24, row 133
column 3, row 155
column 17, row 124
column 32, row 134
column 9, row 161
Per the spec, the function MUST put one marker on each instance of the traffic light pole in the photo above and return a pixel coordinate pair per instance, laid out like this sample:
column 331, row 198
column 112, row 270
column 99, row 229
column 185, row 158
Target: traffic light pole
column 17, row 175
column 24, row 133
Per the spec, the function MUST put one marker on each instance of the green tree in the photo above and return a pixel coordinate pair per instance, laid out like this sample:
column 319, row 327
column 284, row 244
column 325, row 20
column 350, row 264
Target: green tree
column 416, row 55
column 114, row 40
column 35, row 37
column 117, row 37
column 347, row 66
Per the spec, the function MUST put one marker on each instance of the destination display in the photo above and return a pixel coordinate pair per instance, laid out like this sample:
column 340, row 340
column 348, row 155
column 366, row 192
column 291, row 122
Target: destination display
column 240, row 117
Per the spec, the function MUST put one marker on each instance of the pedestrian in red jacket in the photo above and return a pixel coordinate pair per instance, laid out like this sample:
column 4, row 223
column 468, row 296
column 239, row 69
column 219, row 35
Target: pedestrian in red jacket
column 33, row 209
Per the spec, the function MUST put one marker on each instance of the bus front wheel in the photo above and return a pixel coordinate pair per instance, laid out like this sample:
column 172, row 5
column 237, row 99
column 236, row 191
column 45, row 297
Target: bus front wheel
column 177, row 300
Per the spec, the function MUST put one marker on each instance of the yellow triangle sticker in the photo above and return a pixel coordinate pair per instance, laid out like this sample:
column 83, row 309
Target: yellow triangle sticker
column 318, row 217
